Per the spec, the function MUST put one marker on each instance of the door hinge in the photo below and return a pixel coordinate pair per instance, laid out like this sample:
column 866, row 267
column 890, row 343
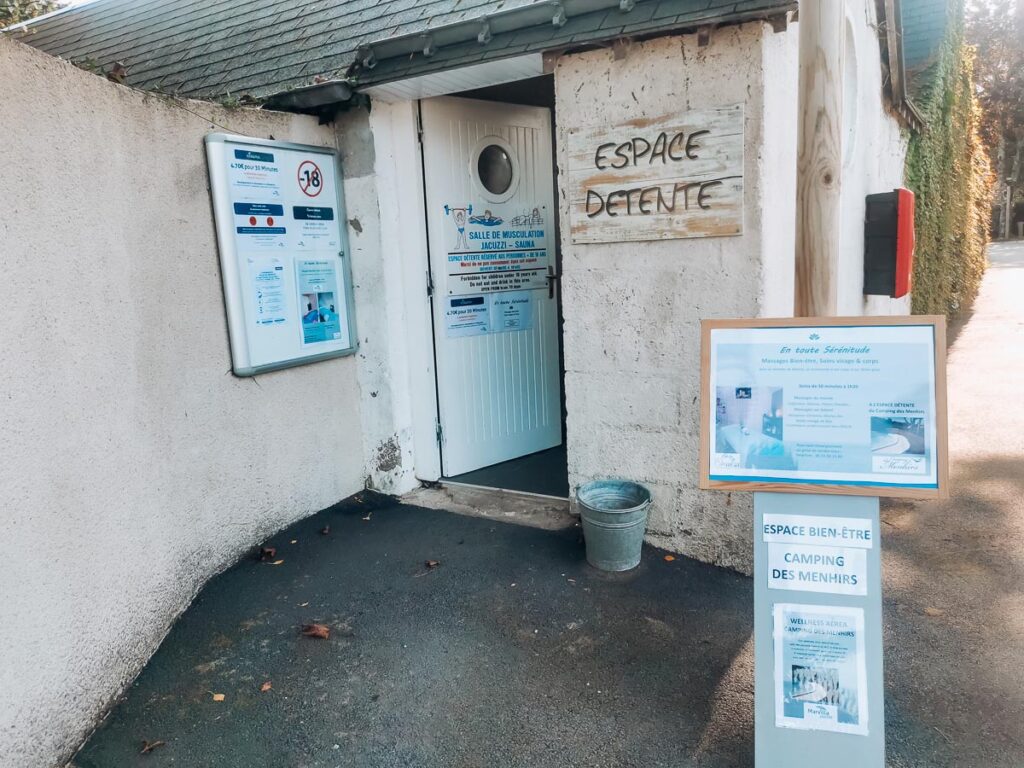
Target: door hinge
column 439, row 431
column 430, row 284
column 419, row 122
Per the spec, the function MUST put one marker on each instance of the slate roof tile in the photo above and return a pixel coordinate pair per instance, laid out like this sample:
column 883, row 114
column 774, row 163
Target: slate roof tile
column 206, row 48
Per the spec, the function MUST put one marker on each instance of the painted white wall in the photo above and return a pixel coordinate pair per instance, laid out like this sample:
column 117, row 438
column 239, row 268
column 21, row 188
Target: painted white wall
column 402, row 247
column 874, row 151
column 777, row 164
column 133, row 464
column 632, row 310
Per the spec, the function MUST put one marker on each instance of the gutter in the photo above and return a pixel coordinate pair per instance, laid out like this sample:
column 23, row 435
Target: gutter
column 311, row 98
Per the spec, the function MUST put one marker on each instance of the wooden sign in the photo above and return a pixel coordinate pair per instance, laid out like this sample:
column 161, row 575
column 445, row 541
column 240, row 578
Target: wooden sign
column 853, row 405
column 658, row 178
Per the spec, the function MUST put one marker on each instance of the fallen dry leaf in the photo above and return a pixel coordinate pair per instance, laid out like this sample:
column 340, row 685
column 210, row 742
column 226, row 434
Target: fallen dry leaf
column 277, row 562
column 929, row 611
column 321, row 631
column 268, row 553
column 149, row 746
column 669, row 558
column 265, row 687
column 218, row 697
column 432, row 563
column 325, row 530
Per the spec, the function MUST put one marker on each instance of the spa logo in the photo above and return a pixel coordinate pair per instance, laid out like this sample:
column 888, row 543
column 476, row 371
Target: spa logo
column 900, row 464
column 814, row 337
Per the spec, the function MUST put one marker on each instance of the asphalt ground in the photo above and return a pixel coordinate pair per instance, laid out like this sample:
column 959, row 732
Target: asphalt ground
column 512, row 651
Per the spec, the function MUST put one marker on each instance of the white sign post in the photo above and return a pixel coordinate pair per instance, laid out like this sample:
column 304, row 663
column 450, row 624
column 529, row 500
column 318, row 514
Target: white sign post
column 283, row 252
column 820, row 416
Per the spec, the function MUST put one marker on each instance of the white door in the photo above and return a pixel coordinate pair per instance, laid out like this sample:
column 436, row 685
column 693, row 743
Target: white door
column 490, row 219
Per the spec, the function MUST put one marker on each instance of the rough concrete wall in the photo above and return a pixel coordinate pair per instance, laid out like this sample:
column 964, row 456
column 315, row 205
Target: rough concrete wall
column 133, row 465
column 632, row 310
column 379, row 313
column 874, row 154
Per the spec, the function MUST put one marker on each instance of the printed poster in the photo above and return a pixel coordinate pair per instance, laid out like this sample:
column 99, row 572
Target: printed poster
column 498, row 248
column 846, row 405
column 271, row 305
column 318, row 300
column 488, row 313
column 512, row 311
column 467, row 316
column 820, row 671
column 815, row 553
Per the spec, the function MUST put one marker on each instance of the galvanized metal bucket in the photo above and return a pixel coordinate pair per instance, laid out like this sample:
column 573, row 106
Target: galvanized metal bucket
column 614, row 515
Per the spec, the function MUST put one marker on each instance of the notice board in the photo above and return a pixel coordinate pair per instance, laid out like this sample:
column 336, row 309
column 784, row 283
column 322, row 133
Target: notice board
column 658, row 178
column 852, row 405
column 284, row 256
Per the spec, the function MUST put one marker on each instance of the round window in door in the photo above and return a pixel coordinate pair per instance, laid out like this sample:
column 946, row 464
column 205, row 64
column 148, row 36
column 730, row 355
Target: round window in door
column 494, row 169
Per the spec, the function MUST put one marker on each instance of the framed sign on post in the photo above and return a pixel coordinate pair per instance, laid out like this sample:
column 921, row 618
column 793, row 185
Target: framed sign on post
column 852, row 405
column 284, row 258
column 819, row 417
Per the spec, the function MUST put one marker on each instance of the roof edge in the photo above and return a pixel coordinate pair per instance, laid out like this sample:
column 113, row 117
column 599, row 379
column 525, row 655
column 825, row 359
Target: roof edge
column 891, row 34
column 482, row 29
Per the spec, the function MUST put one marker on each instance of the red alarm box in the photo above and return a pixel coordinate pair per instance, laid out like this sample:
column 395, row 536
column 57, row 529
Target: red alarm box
column 889, row 243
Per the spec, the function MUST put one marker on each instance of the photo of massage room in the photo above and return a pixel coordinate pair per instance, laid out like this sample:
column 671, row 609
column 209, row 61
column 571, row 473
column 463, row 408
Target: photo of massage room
column 896, row 435
column 749, row 425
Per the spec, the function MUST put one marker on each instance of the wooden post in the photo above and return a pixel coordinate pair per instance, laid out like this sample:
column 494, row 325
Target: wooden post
column 819, row 156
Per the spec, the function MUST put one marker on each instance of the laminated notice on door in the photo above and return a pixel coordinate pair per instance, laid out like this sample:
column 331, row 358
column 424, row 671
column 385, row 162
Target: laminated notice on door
column 512, row 311
column 488, row 313
column 500, row 247
column 467, row 316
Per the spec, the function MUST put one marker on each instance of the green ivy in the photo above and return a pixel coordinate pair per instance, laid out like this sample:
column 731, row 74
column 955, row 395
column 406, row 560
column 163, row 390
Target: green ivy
column 948, row 170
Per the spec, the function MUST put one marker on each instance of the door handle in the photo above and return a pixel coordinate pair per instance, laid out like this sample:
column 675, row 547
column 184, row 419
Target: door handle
column 552, row 276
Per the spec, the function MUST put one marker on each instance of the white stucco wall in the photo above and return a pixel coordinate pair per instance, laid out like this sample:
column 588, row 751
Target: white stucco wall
column 632, row 310
column 874, row 151
column 133, row 464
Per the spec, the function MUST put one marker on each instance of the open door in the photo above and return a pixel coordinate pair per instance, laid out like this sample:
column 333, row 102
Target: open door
column 490, row 217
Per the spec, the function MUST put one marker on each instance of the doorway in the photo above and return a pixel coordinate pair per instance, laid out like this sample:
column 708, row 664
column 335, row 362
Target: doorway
column 493, row 252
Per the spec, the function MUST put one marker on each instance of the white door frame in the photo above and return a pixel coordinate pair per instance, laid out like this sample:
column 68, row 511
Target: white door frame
column 398, row 166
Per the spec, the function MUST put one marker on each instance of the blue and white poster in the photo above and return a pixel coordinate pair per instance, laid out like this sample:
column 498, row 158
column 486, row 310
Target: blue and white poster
column 497, row 248
column 318, row 300
column 467, row 316
column 836, row 405
column 820, row 669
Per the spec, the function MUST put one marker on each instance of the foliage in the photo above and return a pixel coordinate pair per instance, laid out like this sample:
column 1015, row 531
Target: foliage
column 17, row 11
column 996, row 30
column 948, row 170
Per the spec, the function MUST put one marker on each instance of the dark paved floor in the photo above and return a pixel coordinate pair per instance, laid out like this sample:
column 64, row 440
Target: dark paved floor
column 512, row 652
column 545, row 472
